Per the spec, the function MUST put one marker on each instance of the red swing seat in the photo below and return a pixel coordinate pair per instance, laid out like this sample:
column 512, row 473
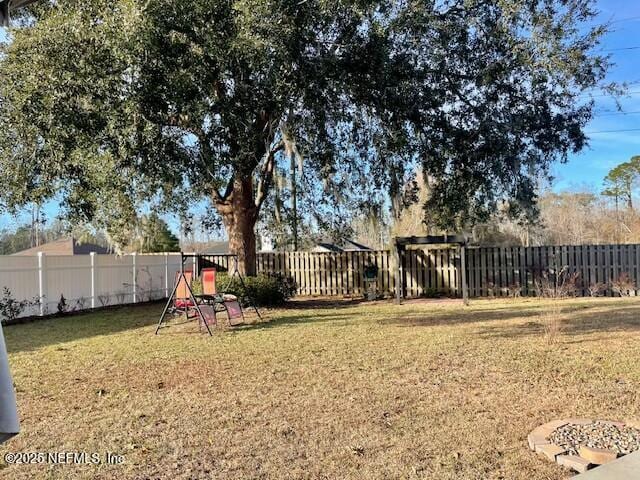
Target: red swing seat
column 182, row 300
column 183, row 303
column 224, row 301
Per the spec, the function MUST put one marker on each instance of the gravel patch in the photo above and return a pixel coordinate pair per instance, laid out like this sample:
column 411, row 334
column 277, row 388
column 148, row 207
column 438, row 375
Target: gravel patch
column 597, row 435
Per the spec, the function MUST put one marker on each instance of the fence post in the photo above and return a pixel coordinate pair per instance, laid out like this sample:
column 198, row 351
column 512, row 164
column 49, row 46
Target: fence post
column 42, row 283
column 166, row 274
column 92, row 256
column 463, row 274
column 397, row 256
column 135, row 276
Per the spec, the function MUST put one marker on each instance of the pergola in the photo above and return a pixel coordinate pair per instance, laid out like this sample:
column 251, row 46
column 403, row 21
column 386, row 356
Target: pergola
column 7, row 6
column 400, row 244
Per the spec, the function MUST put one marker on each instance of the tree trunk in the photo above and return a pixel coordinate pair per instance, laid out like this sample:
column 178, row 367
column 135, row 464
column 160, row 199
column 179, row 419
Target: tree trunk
column 239, row 214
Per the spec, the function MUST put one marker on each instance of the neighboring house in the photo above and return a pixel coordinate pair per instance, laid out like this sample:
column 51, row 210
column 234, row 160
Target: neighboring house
column 343, row 246
column 266, row 243
column 212, row 247
column 216, row 247
column 65, row 246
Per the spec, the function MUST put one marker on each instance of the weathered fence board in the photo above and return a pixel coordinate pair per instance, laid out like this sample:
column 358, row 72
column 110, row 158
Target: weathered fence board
column 500, row 271
column 87, row 281
column 337, row 274
column 491, row 271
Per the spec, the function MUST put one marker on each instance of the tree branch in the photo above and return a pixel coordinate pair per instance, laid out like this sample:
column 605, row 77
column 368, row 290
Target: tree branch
column 227, row 191
column 266, row 174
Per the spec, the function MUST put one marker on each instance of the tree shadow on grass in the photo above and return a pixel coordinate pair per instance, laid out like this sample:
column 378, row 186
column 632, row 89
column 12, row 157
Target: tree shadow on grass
column 291, row 321
column 44, row 332
column 350, row 302
column 421, row 317
column 584, row 318
column 324, row 303
column 390, row 317
column 580, row 323
column 463, row 316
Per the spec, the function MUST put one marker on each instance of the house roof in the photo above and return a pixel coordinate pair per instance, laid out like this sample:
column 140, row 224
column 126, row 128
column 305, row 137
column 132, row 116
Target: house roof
column 345, row 245
column 64, row 246
column 213, row 247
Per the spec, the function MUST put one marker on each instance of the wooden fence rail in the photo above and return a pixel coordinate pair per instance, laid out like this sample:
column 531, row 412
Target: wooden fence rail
column 491, row 271
column 502, row 270
column 324, row 273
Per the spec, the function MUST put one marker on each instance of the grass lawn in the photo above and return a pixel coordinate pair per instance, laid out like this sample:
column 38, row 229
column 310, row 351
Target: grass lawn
column 426, row 390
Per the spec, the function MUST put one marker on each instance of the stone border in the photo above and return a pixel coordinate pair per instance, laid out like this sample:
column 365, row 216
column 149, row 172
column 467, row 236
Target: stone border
column 539, row 442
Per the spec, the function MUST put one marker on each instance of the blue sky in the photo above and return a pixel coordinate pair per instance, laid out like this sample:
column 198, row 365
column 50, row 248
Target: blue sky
column 607, row 148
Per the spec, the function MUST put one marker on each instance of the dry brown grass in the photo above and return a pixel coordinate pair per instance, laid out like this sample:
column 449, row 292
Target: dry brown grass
column 367, row 391
column 551, row 319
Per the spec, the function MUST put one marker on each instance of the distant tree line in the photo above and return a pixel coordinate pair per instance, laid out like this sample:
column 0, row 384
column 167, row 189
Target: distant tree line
column 150, row 234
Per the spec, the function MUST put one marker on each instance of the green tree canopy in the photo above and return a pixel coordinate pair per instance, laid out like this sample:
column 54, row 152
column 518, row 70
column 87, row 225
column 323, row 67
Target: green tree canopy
column 110, row 104
column 154, row 235
column 621, row 181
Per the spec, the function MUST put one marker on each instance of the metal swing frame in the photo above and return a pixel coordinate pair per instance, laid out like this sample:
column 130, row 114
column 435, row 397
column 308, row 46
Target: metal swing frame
column 192, row 297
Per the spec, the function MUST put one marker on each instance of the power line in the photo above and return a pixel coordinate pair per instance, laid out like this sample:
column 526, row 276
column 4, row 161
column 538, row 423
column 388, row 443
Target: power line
column 602, row 22
column 628, row 19
column 620, row 49
column 610, row 94
column 612, row 20
column 608, row 114
column 615, row 131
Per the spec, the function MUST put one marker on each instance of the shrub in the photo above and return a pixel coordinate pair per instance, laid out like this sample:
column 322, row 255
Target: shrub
column 514, row 290
column 552, row 323
column 120, row 297
column 81, row 304
column 196, row 286
column 430, row 293
column 63, row 306
column 623, row 285
column 597, row 288
column 555, row 281
column 265, row 290
column 104, row 300
column 10, row 308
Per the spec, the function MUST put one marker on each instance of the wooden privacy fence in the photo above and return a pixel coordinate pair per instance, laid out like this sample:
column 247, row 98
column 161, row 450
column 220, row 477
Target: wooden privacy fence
column 343, row 273
column 323, row 273
column 502, row 270
column 490, row 271
column 331, row 273
column 89, row 281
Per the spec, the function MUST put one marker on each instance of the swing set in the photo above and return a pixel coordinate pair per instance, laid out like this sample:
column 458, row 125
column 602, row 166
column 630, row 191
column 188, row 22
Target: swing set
column 207, row 305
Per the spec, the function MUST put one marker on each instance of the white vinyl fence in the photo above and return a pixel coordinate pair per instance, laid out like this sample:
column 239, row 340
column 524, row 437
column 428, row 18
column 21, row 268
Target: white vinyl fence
column 87, row 281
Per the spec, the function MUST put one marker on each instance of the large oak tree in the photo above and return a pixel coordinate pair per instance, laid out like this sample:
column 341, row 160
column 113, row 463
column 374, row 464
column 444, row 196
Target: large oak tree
column 111, row 104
